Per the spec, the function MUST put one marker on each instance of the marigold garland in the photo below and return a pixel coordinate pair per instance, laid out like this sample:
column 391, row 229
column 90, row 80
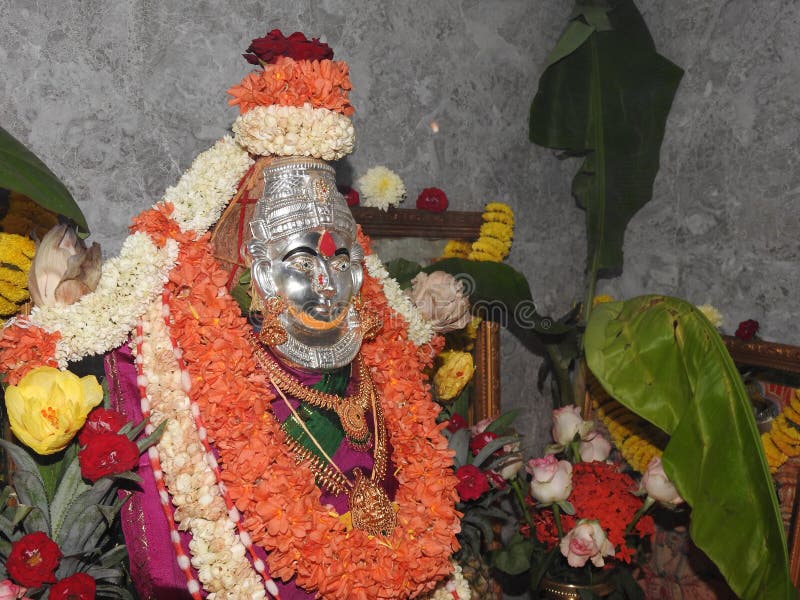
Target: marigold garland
column 782, row 441
column 303, row 538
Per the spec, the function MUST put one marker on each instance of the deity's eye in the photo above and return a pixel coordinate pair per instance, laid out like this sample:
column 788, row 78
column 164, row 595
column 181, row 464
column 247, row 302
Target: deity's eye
column 301, row 262
column 340, row 263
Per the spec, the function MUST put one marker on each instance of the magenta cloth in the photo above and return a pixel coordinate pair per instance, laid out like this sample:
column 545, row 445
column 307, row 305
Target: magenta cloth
column 154, row 567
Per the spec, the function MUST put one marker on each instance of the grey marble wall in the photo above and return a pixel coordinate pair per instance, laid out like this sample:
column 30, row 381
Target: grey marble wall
column 118, row 96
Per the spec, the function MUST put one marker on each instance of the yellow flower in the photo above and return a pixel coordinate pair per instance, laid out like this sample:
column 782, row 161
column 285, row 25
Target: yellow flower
column 456, row 249
column 454, row 374
column 602, row 299
column 48, row 407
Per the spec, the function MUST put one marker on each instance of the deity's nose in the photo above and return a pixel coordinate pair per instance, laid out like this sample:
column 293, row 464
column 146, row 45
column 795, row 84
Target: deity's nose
column 323, row 282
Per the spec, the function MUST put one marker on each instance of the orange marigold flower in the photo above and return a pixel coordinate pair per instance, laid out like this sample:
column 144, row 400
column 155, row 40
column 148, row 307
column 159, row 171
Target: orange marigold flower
column 23, row 347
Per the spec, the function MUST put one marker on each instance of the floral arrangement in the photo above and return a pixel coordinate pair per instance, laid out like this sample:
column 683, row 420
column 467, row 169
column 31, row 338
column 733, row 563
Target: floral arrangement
column 66, row 490
column 381, row 188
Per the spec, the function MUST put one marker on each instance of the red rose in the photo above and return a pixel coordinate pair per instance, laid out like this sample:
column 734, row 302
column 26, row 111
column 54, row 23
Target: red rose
column 33, row 560
column 477, row 443
column 107, row 454
column 267, row 49
column 79, row 586
column 350, row 195
column 455, row 423
column 101, row 420
column 747, row 330
column 432, row 199
column 472, row 482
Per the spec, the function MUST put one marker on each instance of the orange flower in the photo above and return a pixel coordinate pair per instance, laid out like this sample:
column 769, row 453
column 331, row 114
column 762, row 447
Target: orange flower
column 24, row 347
column 322, row 83
column 156, row 223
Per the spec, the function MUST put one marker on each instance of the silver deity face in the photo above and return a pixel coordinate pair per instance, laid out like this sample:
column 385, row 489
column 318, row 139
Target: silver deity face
column 315, row 282
column 304, row 250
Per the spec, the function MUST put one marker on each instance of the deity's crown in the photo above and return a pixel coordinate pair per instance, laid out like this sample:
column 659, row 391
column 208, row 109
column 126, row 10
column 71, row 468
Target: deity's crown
column 299, row 195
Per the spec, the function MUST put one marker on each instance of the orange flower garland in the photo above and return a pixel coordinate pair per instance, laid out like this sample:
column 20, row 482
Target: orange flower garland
column 287, row 82
column 303, row 538
column 25, row 347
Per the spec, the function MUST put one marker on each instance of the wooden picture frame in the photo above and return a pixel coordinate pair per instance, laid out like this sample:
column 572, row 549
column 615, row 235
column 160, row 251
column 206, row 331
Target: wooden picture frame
column 448, row 225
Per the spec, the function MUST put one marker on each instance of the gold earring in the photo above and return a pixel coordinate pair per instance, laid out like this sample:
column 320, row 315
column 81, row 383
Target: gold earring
column 272, row 332
column 371, row 322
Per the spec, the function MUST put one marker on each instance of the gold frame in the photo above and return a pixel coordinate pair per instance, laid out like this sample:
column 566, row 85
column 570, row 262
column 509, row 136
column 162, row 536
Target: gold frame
column 454, row 225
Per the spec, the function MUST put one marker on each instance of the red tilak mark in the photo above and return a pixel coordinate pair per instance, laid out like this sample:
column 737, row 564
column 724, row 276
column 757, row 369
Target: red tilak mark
column 326, row 246
column 320, row 279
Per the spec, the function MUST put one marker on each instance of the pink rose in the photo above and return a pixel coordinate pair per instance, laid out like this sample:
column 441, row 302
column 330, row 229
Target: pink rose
column 657, row 485
column 441, row 299
column 11, row 591
column 586, row 541
column 567, row 423
column 594, row 447
column 552, row 479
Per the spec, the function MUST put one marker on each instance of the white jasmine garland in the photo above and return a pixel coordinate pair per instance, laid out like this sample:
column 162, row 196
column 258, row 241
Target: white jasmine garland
column 381, row 188
column 456, row 587
column 217, row 552
column 420, row 331
column 295, row 131
column 101, row 320
column 208, row 185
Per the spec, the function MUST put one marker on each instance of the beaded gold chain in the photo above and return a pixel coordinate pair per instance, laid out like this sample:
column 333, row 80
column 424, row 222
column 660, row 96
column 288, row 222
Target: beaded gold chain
column 351, row 410
column 370, row 507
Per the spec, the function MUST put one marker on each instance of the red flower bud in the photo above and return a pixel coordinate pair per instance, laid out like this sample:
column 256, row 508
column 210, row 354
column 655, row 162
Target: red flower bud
column 107, row 454
column 472, row 482
column 477, row 443
column 79, row 586
column 455, row 423
column 432, row 199
column 101, row 420
column 33, row 560
column 747, row 330
column 350, row 195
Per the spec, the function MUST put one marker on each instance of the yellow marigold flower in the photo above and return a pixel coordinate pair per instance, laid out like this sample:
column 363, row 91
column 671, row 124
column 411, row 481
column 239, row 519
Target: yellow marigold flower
column 456, row 249
column 499, row 231
column 8, row 308
column 48, row 407
column 485, row 256
column 14, row 276
column 498, row 207
column 16, row 250
column 601, row 299
column 712, row 314
column 25, row 216
column 498, row 217
column 491, row 246
column 12, row 292
column 456, row 371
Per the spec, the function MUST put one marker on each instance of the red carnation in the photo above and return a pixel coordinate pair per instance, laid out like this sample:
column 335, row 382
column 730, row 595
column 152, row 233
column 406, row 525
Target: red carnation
column 747, row 330
column 455, row 423
column 33, row 560
column 432, row 199
column 477, row 443
column 107, row 454
column 350, row 195
column 101, row 420
column 472, row 482
column 267, row 49
column 79, row 586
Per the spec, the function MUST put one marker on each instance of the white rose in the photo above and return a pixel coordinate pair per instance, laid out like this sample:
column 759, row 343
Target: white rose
column 552, row 479
column 567, row 423
column 440, row 298
column 594, row 447
column 586, row 541
column 657, row 485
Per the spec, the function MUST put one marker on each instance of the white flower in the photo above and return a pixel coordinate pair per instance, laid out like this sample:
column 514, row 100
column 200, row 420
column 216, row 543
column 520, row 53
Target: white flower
column 295, row 131
column 381, row 188
column 594, row 447
column 208, row 185
column 419, row 330
column 657, row 485
column 454, row 588
column 712, row 314
column 586, row 541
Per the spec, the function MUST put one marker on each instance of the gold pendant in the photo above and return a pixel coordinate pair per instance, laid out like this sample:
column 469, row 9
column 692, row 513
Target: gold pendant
column 370, row 507
column 353, row 421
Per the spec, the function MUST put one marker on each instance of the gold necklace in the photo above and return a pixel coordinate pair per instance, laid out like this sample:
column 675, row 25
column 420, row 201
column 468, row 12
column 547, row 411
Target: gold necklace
column 351, row 410
column 370, row 507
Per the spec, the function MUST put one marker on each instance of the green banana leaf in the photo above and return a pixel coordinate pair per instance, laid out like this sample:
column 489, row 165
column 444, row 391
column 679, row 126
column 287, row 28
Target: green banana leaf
column 661, row 358
column 605, row 96
column 22, row 171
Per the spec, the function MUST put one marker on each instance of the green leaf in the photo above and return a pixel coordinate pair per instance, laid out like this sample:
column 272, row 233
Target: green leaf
column 70, row 489
column 504, row 422
column 608, row 101
column 459, row 443
column 22, row 171
column 576, row 33
column 29, row 486
column 144, row 443
column 492, row 447
column 113, row 591
column 84, row 521
column 515, row 558
column 661, row 358
column 484, row 525
column 403, row 271
column 114, row 556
